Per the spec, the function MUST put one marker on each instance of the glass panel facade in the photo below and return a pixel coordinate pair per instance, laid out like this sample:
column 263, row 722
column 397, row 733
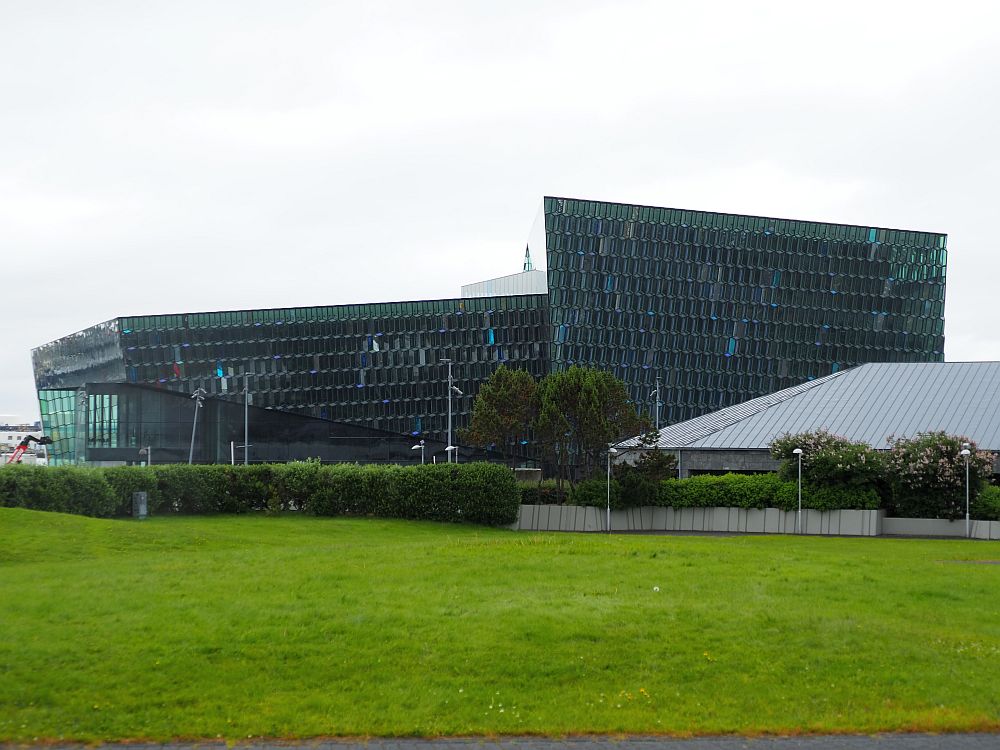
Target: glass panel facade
column 93, row 355
column 724, row 307
column 376, row 365
column 61, row 421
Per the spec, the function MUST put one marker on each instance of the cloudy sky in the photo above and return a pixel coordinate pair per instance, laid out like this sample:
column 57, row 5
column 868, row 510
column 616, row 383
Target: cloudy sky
column 177, row 156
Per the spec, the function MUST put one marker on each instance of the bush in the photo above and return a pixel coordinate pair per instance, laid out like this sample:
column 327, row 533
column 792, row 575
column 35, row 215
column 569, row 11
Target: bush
column 63, row 489
column 640, row 481
column 927, row 475
column 474, row 492
column 247, row 488
column 654, row 465
column 292, row 486
column 758, row 491
column 426, row 492
column 487, row 494
column 830, row 461
column 750, row 490
column 727, row 490
column 637, row 490
column 594, row 493
column 669, row 493
column 703, row 491
column 986, row 507
column 546, row 492
column 856, row 465
column 185, row 489
column 124, row 480
column 839, row 498
column 811, row 443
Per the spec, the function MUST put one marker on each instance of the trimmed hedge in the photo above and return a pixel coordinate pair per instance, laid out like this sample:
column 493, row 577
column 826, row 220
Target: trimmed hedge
column 474, row 492
column 82, row 491
column 722, row 491
column 594, row 492
column 760, row 491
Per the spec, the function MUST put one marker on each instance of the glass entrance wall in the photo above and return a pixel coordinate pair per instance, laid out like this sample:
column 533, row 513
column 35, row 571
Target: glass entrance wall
column 59, row 421
column 136, row 417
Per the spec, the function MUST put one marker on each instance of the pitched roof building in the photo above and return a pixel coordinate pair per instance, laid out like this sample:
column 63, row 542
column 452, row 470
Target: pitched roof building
column 870, row 403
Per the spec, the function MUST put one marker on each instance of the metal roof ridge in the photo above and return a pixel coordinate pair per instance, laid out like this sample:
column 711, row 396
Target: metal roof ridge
column 701, row 427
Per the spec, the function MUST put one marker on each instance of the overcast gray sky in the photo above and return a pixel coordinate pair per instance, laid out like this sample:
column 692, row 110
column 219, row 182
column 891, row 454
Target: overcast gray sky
column 176, row 156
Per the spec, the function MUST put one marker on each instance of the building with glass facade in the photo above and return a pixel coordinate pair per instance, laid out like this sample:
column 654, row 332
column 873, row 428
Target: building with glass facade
column 720, row 307
column 725, row 307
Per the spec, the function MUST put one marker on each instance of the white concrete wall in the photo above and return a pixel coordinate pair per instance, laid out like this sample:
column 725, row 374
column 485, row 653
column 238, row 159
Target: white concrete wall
column 937, row 527
column 726, row 520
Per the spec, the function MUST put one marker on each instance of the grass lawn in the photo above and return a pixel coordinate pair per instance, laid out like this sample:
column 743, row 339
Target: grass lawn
column 298, row 627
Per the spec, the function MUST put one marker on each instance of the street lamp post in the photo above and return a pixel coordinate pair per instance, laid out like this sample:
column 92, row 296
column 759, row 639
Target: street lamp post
column 798, row 517
column 965, row 452
column 451, row 389
column 611, row 452
column 246, row 420
column 655, row 395
column 199, row 400
column 419, row 445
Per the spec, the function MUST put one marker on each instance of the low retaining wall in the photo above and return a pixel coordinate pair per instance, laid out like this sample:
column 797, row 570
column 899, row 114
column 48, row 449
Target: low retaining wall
column 726, row 520
column 937, row 527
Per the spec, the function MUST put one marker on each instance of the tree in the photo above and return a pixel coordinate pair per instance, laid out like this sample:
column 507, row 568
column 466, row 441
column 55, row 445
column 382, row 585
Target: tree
column 580, row 412
column 503, row 411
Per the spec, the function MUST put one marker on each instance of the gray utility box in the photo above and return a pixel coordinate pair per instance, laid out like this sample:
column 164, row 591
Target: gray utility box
column 139, row 505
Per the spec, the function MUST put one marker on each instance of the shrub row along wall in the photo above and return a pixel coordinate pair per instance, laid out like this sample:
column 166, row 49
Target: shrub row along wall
column 735, row 491
column 728, row 490
column 475, row 492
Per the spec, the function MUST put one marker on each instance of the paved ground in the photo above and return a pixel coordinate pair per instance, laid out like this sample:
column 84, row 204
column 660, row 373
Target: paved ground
column 877, row 742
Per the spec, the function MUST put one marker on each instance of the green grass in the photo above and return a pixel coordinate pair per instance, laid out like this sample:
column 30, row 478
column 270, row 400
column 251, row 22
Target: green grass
column 299, row 627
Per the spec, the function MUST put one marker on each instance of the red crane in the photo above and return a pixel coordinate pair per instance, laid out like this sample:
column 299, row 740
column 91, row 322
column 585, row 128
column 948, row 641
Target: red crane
column 15, row 457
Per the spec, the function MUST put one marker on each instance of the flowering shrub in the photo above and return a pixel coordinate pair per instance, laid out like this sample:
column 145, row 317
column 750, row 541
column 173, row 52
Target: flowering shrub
column 927, row 475
column 809, row 442
column 832, row 462
column 847, row 465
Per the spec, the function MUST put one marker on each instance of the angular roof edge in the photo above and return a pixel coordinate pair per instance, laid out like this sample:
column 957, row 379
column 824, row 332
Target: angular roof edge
column 684, row 433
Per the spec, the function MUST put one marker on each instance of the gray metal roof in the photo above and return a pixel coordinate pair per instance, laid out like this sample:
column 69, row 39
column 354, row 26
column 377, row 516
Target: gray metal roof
column 869, row 404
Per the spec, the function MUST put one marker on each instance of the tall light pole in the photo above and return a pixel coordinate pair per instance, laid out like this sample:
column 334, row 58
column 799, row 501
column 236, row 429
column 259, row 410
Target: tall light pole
column 611, row 452
column 451, row 389
column 798, row 518
column 199, row 400
column 655, row 394
column 965, row 452
column 246, row 420
column 419, row 445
